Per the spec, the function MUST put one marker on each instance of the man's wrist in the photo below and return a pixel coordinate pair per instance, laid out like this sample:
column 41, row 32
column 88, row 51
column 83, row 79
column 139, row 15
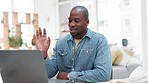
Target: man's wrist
column 45, row 54
column 62, row 75
column 45, row 57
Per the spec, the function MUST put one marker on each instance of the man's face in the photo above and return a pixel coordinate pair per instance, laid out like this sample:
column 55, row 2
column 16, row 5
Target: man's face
column 77, row 24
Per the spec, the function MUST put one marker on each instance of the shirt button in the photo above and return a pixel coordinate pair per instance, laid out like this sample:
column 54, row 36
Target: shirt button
column 72, row 81
column 73, row 69
column 86, row 51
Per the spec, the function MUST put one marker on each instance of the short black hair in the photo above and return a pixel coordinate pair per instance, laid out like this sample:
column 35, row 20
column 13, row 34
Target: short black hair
column 84, row 10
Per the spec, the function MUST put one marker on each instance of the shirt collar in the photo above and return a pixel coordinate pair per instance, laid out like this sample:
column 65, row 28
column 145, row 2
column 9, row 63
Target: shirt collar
column 88, row 34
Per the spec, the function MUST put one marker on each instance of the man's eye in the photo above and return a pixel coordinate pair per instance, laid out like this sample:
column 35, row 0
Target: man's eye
column 77, row 20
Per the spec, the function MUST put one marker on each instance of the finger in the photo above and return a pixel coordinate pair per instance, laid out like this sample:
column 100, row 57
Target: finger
column 33, row 39
column 44, row 32
column 48, row 41
column 40, row 32
column 34, row 36
column 37, row 34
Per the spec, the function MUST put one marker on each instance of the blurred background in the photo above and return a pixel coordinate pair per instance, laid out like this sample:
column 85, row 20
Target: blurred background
column 123, row 22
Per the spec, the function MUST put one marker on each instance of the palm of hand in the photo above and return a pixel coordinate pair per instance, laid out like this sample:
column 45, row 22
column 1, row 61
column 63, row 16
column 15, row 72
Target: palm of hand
column 42, row 43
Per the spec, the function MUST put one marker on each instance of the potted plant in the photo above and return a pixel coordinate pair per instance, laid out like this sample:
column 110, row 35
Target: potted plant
column 15, row 41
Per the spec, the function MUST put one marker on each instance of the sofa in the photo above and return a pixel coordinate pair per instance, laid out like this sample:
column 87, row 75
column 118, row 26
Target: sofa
column 120, row 72
column 124, row 62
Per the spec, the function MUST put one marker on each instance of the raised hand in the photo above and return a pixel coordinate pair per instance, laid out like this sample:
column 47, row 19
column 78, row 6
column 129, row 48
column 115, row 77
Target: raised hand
column 41, row 41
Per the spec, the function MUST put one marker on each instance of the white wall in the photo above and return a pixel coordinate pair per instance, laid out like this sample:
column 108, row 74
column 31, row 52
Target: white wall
column 47, row 17
column 144, row 18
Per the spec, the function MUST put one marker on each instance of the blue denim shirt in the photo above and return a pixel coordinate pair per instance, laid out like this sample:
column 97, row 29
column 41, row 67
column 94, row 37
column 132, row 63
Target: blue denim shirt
column 90, row 61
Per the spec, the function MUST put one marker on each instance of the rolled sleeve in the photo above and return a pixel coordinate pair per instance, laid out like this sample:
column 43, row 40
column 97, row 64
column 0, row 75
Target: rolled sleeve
column 74, row 75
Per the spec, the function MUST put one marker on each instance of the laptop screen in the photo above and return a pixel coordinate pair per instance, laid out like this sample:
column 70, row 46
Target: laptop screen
column 22, row 66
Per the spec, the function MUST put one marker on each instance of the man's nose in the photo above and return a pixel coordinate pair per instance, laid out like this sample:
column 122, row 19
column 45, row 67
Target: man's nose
column 72, row 23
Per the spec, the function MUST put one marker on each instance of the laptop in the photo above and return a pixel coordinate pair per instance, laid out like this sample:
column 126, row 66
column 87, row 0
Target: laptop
column 22, row 66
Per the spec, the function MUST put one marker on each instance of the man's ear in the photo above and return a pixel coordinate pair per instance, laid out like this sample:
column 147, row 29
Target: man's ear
column 87, row 22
